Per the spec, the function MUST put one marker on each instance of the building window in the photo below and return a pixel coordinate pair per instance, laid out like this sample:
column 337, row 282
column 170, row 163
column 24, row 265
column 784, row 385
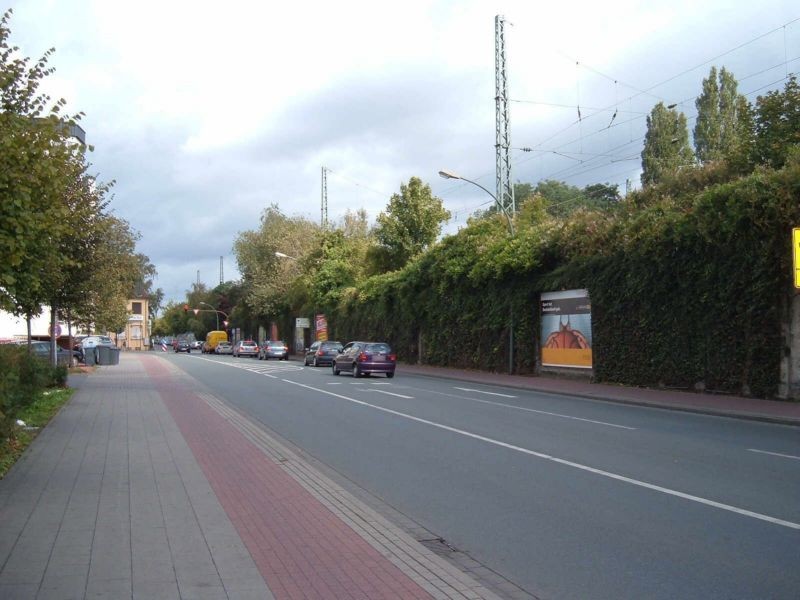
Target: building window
column 136, row 308
column 136, row 332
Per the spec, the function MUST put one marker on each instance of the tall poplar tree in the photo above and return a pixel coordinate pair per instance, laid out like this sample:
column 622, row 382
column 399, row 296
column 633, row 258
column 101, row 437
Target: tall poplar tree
column 666, row 144
column 724, row 122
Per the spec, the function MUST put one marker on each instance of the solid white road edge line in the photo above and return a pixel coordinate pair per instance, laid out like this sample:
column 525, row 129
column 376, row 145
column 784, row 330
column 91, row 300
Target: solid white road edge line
column 774, row 453
column 636, row 482
column 533, row 410
column 482, row 392
column 387, row 393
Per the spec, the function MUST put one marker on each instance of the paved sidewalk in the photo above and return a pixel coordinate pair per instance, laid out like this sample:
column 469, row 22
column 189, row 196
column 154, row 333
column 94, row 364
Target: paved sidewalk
column 713, row 404
column 145, row 486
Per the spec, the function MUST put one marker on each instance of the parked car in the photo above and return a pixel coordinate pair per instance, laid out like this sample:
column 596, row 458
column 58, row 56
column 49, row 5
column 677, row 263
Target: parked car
column 245, row 348
column 183, row 346
column 42, row 350
column 364, row 358
column 276, row 349
column 322, row 353
column 93, row 341
column 196, row 345
column 223, row 348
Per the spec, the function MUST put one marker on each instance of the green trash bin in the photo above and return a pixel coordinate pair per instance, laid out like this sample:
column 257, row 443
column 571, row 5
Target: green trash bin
column 113, row 356
column 103, row 355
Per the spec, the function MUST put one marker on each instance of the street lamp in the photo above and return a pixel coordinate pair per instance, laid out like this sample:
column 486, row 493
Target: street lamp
column 299, row 344
column 449, row 175
column 215, row 312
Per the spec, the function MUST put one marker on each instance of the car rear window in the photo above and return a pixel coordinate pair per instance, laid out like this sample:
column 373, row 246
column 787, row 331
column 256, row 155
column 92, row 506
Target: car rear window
column 377, row 348
column 330, row 345
column 276, row 344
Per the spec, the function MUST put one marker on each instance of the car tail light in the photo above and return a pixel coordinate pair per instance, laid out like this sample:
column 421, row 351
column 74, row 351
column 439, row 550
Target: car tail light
column 320, row 352
column 363, row 357
column 393, row 357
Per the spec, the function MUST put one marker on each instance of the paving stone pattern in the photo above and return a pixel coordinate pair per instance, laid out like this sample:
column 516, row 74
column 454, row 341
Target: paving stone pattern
column 146, row 486
column 109, row 502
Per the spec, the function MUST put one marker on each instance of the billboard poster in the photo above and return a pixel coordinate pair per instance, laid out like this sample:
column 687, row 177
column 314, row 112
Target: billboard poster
column 566, row 319
column 321, row 328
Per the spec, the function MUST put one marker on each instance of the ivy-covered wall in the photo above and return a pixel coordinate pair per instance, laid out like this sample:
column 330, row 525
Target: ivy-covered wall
column 686, row 282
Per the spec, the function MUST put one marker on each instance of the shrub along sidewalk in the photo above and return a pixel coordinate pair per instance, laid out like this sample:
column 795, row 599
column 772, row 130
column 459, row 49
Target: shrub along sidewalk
column 35, row 416
column 31, row 391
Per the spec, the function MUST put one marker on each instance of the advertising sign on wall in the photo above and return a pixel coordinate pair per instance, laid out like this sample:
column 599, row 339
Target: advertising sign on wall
column 566, row 319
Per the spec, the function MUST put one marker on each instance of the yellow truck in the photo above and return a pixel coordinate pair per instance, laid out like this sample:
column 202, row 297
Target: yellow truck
column 212, row 339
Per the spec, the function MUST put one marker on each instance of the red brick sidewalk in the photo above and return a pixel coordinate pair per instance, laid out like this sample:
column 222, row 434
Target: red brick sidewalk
column 301, row 549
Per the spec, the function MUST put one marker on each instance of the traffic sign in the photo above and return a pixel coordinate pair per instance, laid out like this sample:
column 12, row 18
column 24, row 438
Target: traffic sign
column 58, row 330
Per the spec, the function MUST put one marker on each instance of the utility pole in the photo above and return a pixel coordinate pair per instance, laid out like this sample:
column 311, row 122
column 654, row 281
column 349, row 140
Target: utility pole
column 324, row 204
column 505, row 189
column 198, row 278
column 221, row 278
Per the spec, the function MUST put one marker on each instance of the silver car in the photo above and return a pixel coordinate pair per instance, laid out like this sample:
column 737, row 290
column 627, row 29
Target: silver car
column 275, row 349
column 223, row 348
column 245, row 348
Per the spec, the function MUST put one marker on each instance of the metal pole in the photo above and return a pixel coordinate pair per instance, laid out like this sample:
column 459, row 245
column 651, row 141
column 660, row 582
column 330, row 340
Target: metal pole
column 511, row 338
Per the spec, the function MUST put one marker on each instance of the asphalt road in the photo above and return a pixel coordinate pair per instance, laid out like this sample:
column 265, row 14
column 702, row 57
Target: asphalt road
column 566, row 497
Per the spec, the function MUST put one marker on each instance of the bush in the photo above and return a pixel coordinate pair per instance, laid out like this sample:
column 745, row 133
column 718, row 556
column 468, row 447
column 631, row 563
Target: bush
column 686, row 283
column 21, row 379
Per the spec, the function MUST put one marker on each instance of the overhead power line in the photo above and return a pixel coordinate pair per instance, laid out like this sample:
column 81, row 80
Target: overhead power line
column 358, row 183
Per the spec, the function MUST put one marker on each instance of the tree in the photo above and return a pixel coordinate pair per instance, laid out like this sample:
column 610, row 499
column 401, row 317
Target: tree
column 35, row 171
column 411, row 224
column 666, row 144
column 265, row 276
column 561, row 198
column 723, row 125
column 777, row 125
column 601, row 195
column 114, row 269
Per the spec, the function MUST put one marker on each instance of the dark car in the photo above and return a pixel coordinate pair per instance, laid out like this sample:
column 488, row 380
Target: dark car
column 42, row 350
column 183, row 346
column 277, row 350
column 322, row 353
column 364, row 358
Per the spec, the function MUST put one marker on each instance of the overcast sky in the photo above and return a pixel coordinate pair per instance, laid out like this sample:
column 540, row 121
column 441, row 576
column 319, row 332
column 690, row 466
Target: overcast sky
column 205, row 113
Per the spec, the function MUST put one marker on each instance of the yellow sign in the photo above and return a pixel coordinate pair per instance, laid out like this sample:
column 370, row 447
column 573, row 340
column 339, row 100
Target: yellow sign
column 796, row 253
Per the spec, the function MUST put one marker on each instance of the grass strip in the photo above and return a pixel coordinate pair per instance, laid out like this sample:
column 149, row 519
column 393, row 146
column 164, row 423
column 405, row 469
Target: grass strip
column 35, row 416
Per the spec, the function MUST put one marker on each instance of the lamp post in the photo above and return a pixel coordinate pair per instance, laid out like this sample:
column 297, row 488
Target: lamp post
column 215, row 311
column 300, row 344
column 450, row 175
